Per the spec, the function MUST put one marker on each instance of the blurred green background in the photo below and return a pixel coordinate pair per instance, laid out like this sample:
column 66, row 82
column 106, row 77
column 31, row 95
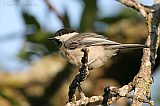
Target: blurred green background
column 33, row 73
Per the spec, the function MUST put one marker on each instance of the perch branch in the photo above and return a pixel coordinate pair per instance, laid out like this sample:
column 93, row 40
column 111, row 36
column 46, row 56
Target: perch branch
column 136, row 5
column 143, row 79
column 114, row 93
column 111, row 95
column 81, row 76
column 86, row 100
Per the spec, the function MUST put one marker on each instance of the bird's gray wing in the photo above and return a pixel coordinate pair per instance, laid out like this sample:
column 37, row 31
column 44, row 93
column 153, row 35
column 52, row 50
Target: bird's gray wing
column 88, row 39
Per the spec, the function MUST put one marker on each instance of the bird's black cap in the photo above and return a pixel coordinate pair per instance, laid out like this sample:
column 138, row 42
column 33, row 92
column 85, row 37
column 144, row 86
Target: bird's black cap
column 64, row 31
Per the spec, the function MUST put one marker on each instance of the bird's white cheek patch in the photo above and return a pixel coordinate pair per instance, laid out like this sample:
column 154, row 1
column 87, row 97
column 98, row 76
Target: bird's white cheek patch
column 66, row 36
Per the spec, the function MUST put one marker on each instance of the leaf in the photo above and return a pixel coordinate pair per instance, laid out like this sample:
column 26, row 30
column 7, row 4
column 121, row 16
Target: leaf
column 41, row 37
column 66, row 21
column 30, row 20
column 38, row 37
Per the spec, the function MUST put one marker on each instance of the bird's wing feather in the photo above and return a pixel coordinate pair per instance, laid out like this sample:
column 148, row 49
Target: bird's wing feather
column 88, row 39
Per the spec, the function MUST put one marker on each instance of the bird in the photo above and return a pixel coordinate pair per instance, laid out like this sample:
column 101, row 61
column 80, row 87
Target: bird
column 100, row 49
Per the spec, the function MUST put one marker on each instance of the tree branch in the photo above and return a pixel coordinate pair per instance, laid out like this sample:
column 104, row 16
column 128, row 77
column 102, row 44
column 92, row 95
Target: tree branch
column 136, row 6
column 52, row 8
column 143, row 80
column 81, row 76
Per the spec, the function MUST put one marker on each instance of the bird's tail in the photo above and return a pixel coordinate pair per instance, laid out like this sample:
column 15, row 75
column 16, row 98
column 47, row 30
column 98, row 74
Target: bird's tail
column 128, row 46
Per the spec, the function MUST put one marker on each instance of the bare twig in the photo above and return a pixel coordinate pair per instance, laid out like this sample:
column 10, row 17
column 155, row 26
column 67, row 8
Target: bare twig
column 111, row 95
column 136, row 6
column 51, row 7
column 81, row 76
column 143, row 80
column 106, row 96
column 86, row 100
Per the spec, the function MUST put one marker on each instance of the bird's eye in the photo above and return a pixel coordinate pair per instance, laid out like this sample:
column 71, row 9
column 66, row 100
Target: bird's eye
column 58, row 42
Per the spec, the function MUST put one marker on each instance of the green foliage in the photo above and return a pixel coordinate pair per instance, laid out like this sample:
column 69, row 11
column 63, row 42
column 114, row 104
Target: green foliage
column 39, row 45
column 66, row 21
column 10, row 99
column 37, row 38
column 30, row 20
column 89, row 15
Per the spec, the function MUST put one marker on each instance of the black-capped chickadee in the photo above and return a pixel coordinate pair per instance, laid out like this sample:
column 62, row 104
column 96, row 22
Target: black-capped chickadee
column 70, row 43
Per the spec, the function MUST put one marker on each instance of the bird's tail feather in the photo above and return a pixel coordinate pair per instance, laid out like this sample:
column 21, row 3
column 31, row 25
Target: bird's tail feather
column 128, row 46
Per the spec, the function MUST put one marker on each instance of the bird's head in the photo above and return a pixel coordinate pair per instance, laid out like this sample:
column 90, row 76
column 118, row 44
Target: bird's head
column 62, row 35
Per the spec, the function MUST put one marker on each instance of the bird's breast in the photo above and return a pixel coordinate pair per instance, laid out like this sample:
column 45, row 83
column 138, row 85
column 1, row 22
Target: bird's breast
column 97, row 56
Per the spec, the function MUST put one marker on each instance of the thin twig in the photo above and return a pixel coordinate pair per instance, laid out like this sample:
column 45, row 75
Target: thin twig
column 133, row 4
column 51, row 7
column 112, row 94
column 106, row 96
column 81, row 76
column 86, row 100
